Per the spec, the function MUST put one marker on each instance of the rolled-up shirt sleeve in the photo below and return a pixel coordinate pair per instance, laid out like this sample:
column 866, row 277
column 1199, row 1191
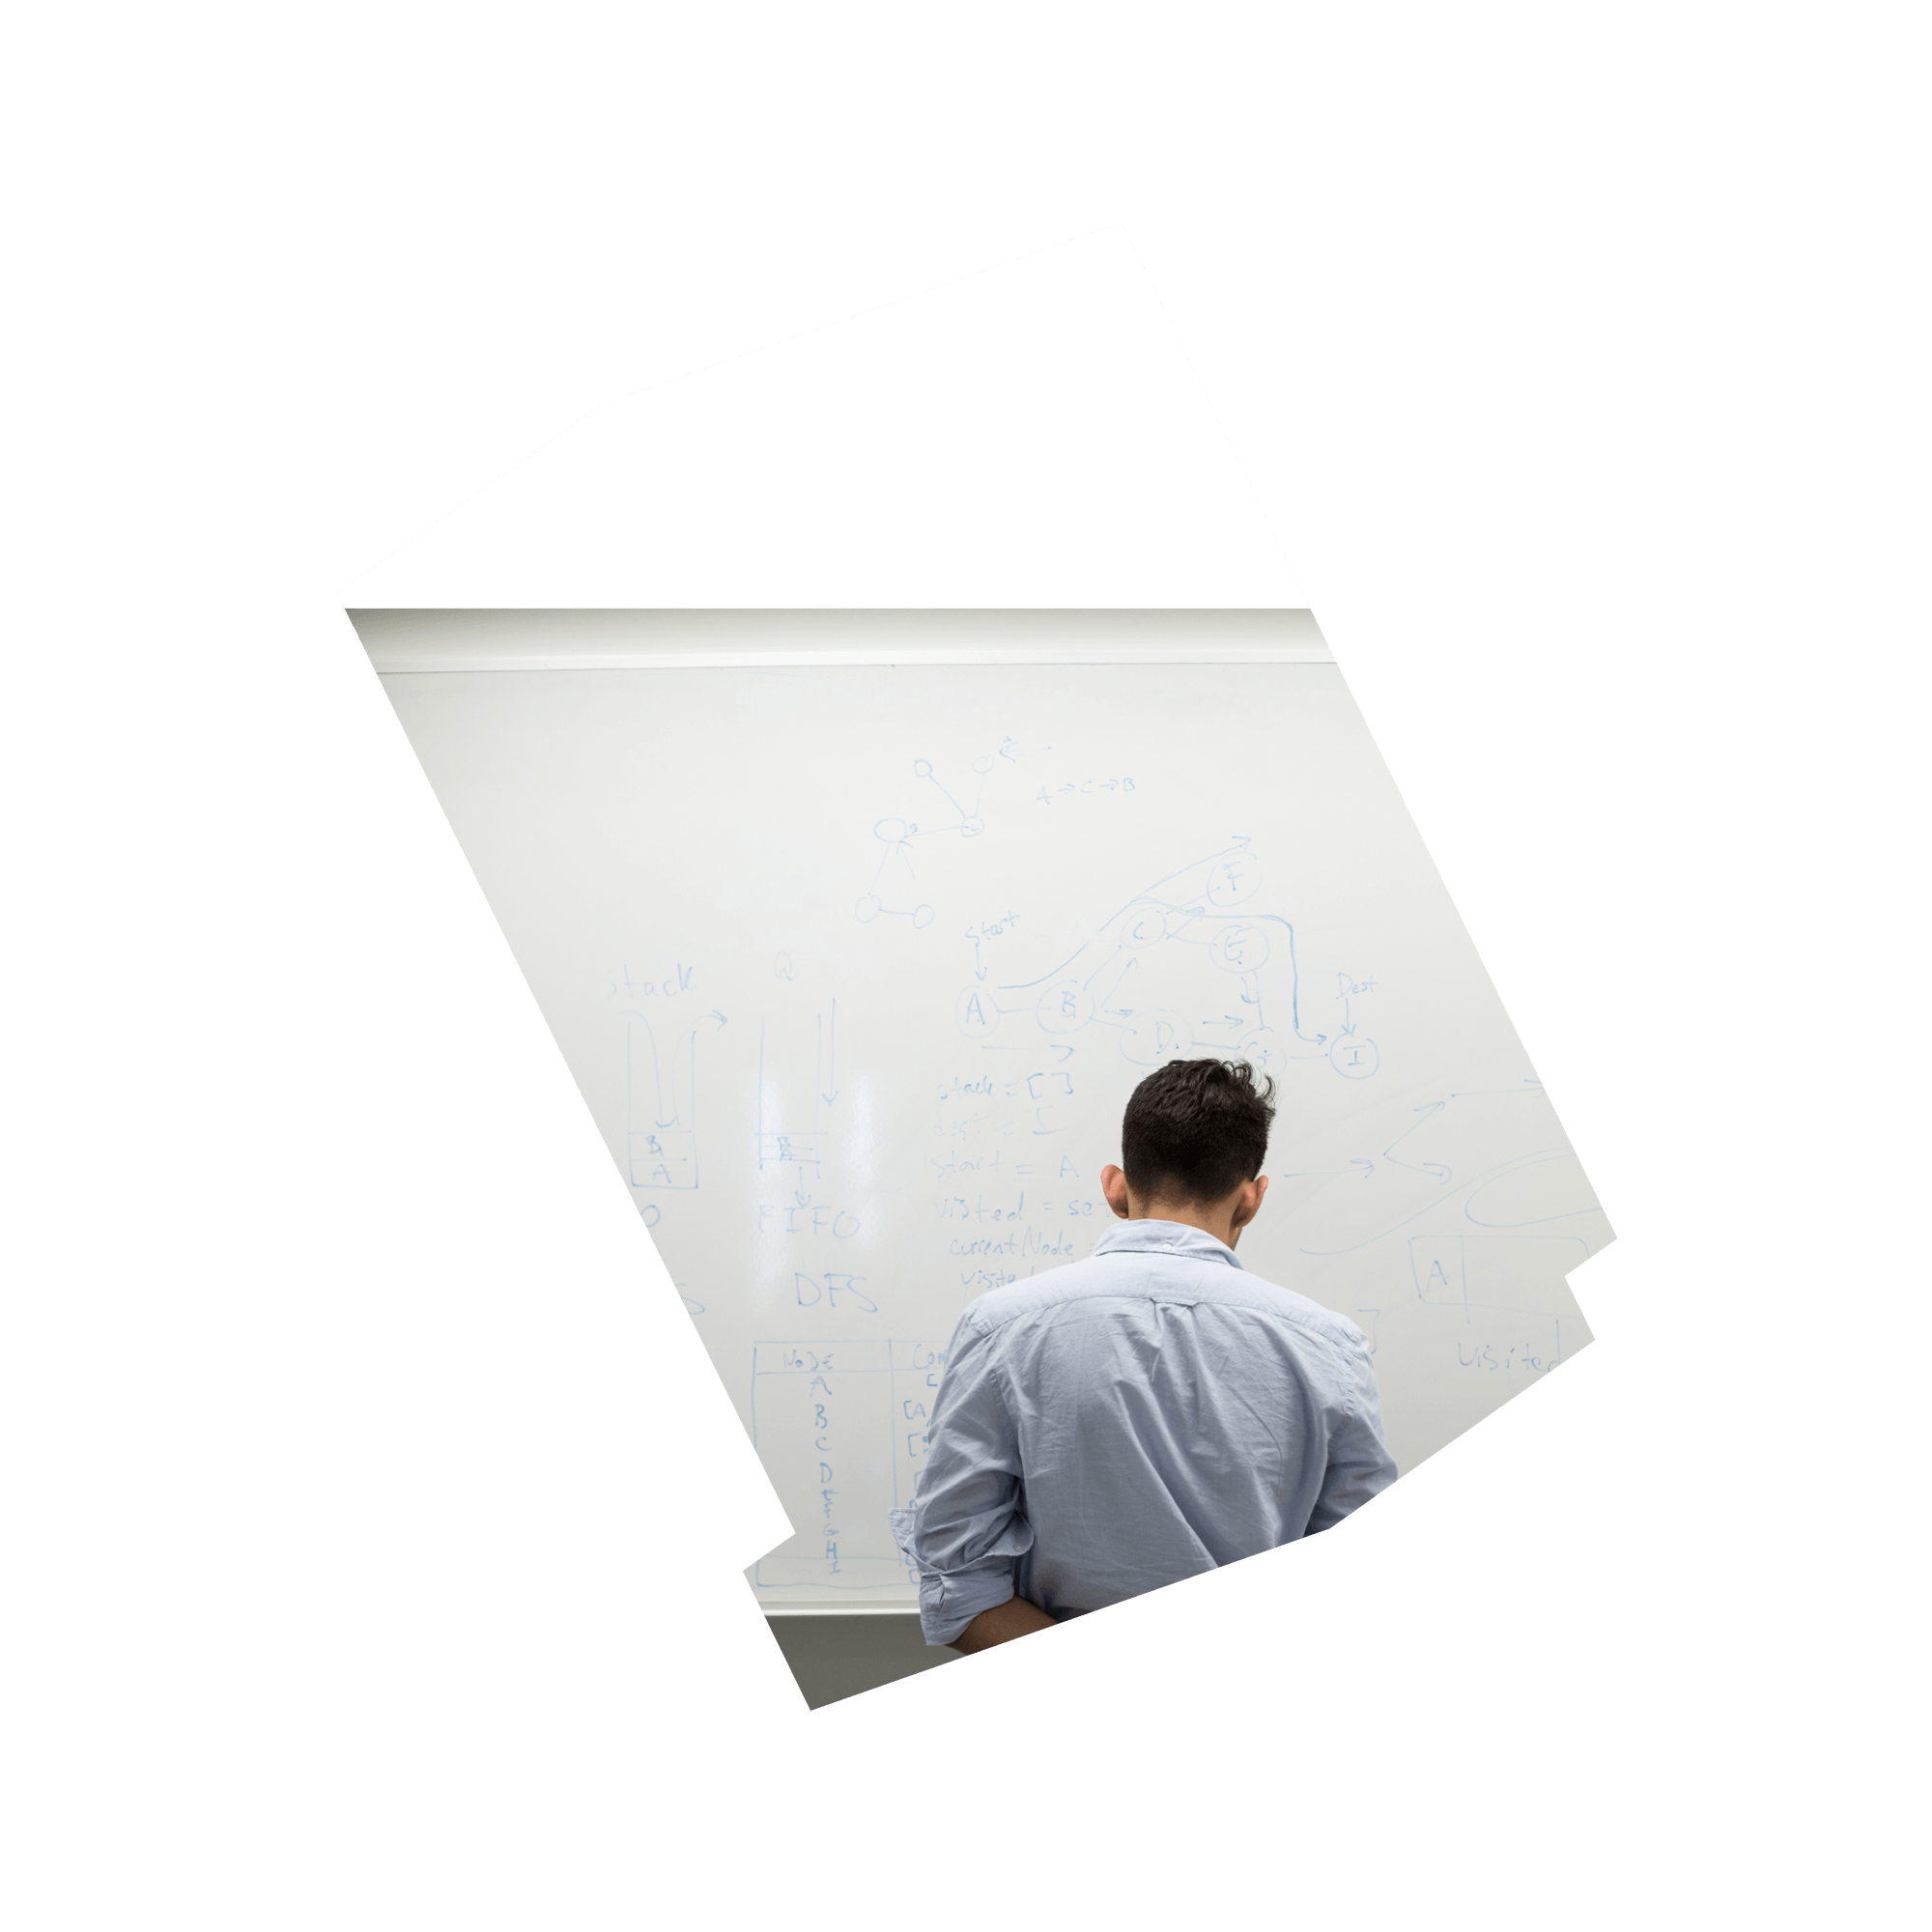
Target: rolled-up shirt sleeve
column 967, row 1522
column 1359, row 1464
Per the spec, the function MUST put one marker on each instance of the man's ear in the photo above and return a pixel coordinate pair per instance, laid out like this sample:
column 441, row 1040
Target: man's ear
column 1251, row 1200
column 1113, row 1185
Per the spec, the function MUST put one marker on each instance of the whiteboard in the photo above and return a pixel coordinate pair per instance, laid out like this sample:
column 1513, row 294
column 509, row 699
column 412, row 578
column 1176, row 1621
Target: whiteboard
column 857, row 961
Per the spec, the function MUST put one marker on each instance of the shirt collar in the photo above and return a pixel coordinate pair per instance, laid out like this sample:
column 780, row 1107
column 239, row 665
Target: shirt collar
column 1164, row 1238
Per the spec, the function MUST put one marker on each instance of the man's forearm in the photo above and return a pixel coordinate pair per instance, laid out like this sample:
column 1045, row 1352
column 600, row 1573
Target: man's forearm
column 1015, row 1617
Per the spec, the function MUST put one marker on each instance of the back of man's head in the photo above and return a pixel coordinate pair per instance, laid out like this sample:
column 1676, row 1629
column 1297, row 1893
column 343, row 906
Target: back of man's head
column 1195, row 1130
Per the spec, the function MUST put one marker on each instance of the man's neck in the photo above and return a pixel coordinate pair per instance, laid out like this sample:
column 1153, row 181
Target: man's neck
column 1217, row 1220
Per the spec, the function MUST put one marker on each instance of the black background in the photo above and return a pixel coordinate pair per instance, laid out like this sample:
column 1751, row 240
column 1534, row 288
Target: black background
column 513, row 1469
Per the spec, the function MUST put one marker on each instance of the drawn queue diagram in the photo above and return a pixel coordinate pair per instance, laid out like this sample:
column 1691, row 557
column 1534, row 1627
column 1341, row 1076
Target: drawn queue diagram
column 796, row 1214
column 1186, row 967
column 788, row 1132
column 895, row 891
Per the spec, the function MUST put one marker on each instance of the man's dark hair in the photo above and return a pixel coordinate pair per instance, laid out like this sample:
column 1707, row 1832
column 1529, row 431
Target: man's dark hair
column 1195, row 1130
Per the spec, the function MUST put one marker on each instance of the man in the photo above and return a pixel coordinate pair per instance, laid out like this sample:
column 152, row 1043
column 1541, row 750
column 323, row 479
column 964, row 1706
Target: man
column 1149, row 1412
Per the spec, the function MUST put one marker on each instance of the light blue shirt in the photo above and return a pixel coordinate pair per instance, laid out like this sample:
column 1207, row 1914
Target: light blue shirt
column 1142, row 1415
